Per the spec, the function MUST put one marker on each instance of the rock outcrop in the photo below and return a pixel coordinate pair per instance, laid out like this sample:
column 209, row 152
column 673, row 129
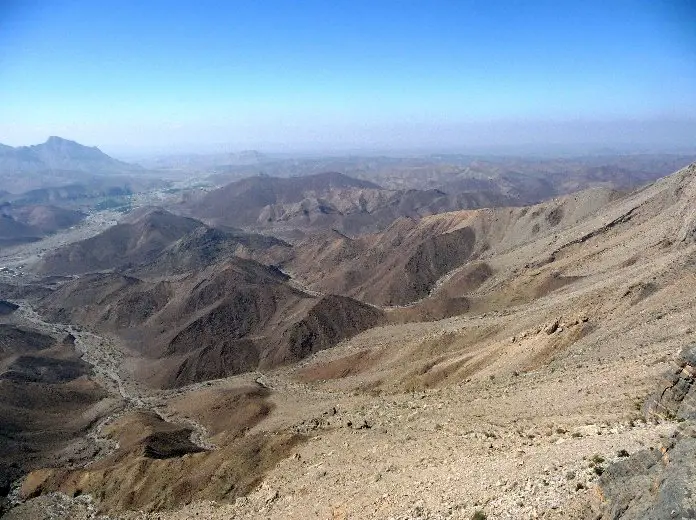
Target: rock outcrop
column 660, row 483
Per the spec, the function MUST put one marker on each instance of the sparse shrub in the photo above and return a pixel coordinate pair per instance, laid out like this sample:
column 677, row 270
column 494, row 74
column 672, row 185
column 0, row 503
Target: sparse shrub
column 599, row 470
column 479, row 515
column 597, row 459
column 622, row 453
column 577, row 435
column 579, row 486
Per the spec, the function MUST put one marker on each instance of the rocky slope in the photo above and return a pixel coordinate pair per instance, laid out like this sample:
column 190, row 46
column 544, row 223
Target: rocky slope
column 46, row 402
column 122, row 244
column 322, row 201
column 229, row 318
column 20, row 224
column 206, row 246
column 14, row 232
column 660, row 483
column 157, row 462
column 156, row 241
column 45, row 218
column 403, row 263
column 521, row 405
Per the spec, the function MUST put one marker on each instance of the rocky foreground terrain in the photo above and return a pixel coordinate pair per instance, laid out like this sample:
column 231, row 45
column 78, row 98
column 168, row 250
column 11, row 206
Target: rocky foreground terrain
column 545, row 369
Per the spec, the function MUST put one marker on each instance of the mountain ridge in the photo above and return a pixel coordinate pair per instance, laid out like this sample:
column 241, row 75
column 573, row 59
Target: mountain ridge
column 321, row 201
column 57, row 153
column 539, row 332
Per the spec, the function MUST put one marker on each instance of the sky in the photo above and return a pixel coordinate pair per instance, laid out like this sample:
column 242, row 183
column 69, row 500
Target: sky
column 177, row 77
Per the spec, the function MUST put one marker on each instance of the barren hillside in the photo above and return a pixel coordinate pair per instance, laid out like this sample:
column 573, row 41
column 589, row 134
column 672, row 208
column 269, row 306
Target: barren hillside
column 525, row 401
column 324, row 201
column 230, row 318
column 46, row 402
column 403, row 263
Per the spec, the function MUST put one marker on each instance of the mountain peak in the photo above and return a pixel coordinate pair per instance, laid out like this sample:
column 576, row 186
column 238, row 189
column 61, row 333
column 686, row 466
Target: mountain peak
column 55, row 141
column 58, row 153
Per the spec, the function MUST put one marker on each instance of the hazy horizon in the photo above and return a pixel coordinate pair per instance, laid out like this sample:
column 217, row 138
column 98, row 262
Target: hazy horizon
column 177, row 77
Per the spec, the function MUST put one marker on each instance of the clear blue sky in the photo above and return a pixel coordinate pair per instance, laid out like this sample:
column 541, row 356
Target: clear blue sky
column 184, row 76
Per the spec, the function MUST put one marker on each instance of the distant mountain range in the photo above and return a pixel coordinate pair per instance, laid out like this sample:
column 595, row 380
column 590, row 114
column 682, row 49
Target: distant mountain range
column 519, row 180
column 59, row 163
column 205, row 162
column 58, row 154
column 328, row 200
